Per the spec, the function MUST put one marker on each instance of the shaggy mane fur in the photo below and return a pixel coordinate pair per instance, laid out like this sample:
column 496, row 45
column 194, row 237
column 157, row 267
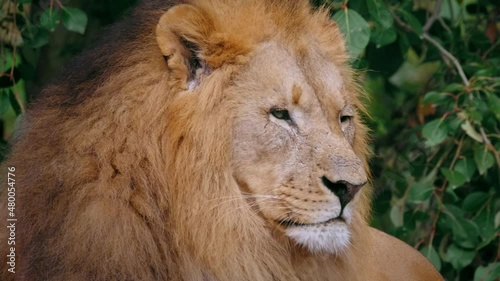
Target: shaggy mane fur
column 119, row 178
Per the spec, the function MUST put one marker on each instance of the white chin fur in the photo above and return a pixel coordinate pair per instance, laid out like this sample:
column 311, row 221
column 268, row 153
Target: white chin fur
column 322, row 238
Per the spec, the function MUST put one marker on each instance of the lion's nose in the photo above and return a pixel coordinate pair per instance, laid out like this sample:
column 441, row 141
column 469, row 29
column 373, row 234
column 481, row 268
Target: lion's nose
column 344, row 190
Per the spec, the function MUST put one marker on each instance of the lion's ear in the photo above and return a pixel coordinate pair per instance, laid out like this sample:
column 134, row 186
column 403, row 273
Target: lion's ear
column 183, row 34
column 193, row 44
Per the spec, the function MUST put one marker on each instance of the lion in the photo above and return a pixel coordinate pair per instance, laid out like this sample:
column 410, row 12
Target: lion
column 203, row 140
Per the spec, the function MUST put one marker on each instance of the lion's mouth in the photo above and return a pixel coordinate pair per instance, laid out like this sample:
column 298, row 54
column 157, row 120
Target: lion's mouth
column 291, row 223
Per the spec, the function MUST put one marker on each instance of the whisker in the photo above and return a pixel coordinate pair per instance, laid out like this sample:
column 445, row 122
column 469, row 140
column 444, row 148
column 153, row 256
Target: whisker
column 235, row 199
column 249, row 206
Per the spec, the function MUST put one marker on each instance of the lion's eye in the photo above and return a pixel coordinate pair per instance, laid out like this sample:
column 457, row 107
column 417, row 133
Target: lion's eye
column 280, row 113
column 345, row 119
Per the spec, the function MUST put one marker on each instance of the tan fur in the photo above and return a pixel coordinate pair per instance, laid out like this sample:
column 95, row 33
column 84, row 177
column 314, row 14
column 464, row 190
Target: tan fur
column 137, row 167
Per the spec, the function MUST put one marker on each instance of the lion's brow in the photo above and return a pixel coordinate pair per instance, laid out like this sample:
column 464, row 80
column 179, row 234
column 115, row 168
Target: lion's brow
column 296, row 93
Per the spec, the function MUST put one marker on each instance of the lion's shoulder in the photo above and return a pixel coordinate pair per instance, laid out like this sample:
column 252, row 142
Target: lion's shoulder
column 392, row 259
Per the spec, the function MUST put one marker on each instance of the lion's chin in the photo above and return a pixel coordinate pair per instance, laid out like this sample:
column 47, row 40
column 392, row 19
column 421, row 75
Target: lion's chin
column 332, row 237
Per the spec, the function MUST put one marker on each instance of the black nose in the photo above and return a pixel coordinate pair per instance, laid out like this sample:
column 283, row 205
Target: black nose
column 344, row 190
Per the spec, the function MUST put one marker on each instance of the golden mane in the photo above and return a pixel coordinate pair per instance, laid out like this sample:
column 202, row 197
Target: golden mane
column 114, row 162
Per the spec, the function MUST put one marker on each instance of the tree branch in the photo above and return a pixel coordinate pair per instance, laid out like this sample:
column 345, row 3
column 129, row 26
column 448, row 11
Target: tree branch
column 454, row 60
column 491, row 49
column 425, row 35
column 489, row 146
column 434, row 16
column 402, row 24
column 448, row 55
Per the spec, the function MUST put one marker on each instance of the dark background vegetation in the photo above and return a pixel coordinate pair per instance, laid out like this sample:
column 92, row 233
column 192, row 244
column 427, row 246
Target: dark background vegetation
column 432, row 73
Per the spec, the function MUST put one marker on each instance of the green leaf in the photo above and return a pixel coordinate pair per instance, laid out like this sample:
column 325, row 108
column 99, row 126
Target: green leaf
column 464, row 231
column 382, row 37
column 450, row 10
column 40, row 39
column 411, row 20
column 484, row 160
column 49, row 19
column 431, row 254
column 486, row 72
column 475, row 115
column 437, row 98
column 443, row 245
column 453, row 211
column 8, row 60
column 466, row 167
column 471, row 132
column 455, row 178
column 497, row 219
column 459, row 257
column 474, row 201
column 4, row 102
column 452, row 124
column 355, row 29
column 431, row 96
column 485, row 223
column 494, row 105
column 14, row 103
column 414, row 218
column 435, row 132
column 404, row 43
column 491, row 272
column 397, row 213
column 380, row 13
column 454, row 88
column 412, row 75
column 74, row 19
column 420, row 191
column 451, row 196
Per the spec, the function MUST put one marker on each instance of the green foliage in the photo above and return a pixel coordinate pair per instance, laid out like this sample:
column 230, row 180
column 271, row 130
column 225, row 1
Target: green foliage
column 19, row 57
column 74, row 19
column 355, row 28
column 31, row 49
column 434, row 81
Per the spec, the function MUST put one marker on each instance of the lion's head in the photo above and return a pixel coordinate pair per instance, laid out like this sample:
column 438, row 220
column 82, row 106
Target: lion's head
column 296, row 142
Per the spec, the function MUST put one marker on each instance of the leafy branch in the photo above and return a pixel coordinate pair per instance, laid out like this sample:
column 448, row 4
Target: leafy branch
column 425, row 35
column 448, row 55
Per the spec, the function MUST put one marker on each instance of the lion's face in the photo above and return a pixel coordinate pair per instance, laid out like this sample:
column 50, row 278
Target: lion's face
column 292, row 144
